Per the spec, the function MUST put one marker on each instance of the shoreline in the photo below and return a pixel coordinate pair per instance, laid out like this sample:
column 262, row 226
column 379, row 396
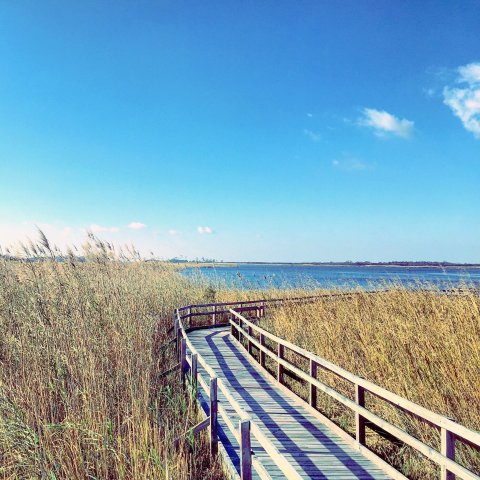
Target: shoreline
column 369, row 265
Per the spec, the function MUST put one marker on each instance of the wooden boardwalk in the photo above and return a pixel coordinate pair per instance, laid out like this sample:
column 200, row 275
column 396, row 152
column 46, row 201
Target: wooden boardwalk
column 264, row 430
column 307, row 444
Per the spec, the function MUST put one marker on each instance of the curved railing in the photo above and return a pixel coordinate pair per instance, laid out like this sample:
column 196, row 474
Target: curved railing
column 246, row 331
column 247, row 427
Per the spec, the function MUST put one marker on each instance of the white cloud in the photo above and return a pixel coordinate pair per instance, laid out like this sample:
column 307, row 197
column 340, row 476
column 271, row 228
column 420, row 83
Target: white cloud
column 470, row 73
column 136, row 225
column 465, row 102
column 351, row 164
column 309, row 115
column 384, row 123
column 94, row 228
column 203, row 230
column 172, row 231
column 313, row 136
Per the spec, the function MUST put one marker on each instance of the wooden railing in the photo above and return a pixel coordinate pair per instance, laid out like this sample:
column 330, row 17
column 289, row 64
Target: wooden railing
column 450, row 431
column 211, row 385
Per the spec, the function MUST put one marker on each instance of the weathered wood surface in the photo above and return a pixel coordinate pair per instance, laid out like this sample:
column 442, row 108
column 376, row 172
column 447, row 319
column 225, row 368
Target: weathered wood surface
column 302, row 440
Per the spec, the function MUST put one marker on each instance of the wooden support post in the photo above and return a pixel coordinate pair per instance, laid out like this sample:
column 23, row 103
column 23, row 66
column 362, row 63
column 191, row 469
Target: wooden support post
column 214, row 315
column 183, row 359
column 249, row 329
column 213, row 416
column 313, row 388
column 237, row 332
column 359, row 419
column 447, row 449
column 245, row 451
column 263, row 355
column 234, row 330
column 240, row 331
column 189, row 318
column 195, row 372
column 280, row 353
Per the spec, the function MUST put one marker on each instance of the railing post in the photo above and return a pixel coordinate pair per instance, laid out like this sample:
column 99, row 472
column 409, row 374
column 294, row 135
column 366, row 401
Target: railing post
column 194, row 372
column 214, row 315
column 183, row 359
column 245, row 451
column 189, row 313
column 359, row 419
column 213, row 416
column 447, row 449
column 234, row 330
column 280, row 353
column 240, row 331
column 249, row 329
column 313, row 388
column 262, row 353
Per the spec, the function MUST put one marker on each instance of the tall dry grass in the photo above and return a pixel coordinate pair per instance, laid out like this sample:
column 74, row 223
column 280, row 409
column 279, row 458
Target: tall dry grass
column 80, row 357
column 421, row 344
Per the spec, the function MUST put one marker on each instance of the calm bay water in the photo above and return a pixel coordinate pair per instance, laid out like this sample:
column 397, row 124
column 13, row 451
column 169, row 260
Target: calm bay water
column 306, row 276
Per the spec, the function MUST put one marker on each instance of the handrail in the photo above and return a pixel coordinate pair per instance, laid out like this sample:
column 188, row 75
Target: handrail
column 438, row 420
column 449, row 429
column 244, row 302
column 271, row 450
column 274, row 300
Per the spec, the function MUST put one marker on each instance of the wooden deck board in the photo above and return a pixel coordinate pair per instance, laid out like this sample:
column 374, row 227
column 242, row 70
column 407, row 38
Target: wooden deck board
column 309, row 445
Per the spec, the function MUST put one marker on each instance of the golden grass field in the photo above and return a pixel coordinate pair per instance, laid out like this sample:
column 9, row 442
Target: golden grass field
column 80, row 357
column 79, row 362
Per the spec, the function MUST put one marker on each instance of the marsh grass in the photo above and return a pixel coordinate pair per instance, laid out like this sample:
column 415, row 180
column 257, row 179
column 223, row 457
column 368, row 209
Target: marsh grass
column 421, row 344
column 81, row 350
column 80, row 357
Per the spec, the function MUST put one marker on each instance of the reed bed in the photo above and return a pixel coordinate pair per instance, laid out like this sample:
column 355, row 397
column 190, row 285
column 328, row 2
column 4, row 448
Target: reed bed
column 82, row 349
column 80, row 356
column 422, row 344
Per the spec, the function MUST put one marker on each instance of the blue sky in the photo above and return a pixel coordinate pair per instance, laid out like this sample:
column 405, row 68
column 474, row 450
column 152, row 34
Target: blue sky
column 275, row 131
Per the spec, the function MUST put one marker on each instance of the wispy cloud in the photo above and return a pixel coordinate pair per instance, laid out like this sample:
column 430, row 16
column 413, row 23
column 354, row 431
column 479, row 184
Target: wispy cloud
column 136, row 225
column 313, row 136
column 384, row 123
column 351, row 164
column 172, row 232
column 309, row 115
column 94, row 228
column 204, row 230
column 465, row 101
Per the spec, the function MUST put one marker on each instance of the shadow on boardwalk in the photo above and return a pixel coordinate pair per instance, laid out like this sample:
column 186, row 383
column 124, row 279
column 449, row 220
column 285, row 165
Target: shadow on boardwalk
column 310, row 446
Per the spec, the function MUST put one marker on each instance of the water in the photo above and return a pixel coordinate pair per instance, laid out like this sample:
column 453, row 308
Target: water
column 321, row 276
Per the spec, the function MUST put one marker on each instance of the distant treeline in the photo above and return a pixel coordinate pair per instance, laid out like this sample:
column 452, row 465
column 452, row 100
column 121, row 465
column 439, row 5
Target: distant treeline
column 403, row 263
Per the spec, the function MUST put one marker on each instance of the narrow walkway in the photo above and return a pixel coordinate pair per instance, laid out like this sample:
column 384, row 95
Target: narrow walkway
column 310, row 446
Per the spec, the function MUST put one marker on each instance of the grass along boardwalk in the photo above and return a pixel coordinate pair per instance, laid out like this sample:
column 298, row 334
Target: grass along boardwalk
column 263, row 429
